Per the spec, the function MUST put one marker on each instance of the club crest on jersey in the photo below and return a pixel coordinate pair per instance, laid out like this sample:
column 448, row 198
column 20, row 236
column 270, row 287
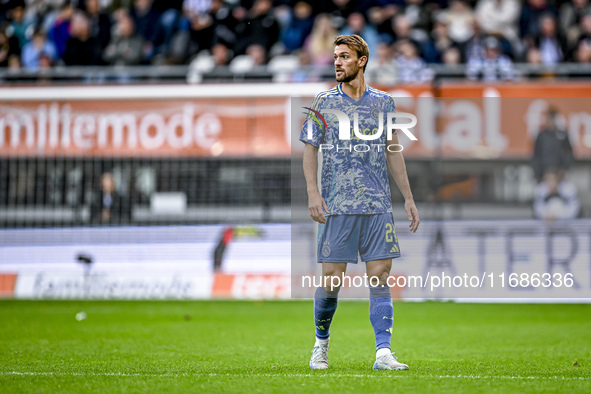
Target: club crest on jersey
column 375, row 113
column 326, row 249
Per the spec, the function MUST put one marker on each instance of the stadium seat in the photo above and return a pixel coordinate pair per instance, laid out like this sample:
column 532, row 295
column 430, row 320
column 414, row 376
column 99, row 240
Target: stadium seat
column 242, row 64
column 282, row 66
column 201, row 64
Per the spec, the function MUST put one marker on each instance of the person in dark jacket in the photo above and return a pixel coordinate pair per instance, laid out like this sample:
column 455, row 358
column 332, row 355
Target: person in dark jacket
column 9, row 45
column 108, row 206
column 552, row 149
column 100, row 23
column 126, row 47
column 82, row 49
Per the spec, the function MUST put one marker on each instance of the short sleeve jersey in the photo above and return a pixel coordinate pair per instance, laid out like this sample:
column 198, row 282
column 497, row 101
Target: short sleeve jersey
column 354, row 176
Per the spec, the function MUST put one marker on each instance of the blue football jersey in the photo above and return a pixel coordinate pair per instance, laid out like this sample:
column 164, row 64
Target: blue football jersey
column 354, row 176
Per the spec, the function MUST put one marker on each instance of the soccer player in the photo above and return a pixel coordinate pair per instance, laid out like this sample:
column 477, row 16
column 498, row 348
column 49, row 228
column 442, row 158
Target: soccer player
column 354, row 209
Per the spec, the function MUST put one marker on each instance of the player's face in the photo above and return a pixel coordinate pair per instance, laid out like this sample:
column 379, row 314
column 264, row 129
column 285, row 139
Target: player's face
column 346, row 63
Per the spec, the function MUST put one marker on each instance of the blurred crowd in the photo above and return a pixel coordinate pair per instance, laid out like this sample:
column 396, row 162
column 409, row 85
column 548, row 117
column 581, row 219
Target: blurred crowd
column 486, row 35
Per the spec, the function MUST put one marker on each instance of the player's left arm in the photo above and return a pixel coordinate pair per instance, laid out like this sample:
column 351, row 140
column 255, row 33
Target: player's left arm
column 397, row 168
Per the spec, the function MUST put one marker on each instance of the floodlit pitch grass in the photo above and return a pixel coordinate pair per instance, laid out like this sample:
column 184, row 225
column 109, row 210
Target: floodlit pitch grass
column 265, row 346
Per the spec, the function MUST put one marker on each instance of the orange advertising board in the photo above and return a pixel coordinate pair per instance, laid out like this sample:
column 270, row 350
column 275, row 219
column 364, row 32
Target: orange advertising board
column 7, row 284
column 251, row 286
column 198, row 127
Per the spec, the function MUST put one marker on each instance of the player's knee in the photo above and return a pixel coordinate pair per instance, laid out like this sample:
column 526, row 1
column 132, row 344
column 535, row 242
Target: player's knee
column 332, row 282
column 381, row 275
column 330, row 289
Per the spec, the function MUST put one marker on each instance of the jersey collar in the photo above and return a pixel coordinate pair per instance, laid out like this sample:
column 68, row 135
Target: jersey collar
column 358, row 102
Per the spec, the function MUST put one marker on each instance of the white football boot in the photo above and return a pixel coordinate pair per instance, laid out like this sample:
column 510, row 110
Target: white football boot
column 319, row 358
column 389, row 362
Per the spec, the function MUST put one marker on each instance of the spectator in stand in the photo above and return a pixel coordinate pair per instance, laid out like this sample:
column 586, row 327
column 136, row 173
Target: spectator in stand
column 460, row 20
column 258, row 26
column 225, row 23
column 300, row 26
column 570, row 16
column 82, row 49
column 356, row 24
column 202, row 30
column 452, row 56
column 533, row 56
column 320, row 43
column 339, row 11
column 195, row 31
column 474, row 48
column 221, row 54
column 441, row 41
column 145, row 17
column 258, row 54
column 411, row 68
column 403, row 31
column 552, row 149
column 382, row 69
column 583, row 52
column 551, row 46
column 500, row 18
column 33, row 51
column 18, row 26
column 4, row 7
column 146, row 20
column 42, row 13
column 493, row 67
column 306, row 72
column 420, row 18
column 556, row 198
column 14, row 64
column 9, row 45
column 99, row 23
column 45, row 62
column 59, row 33
column 531, row 11
column 582, row 34
column 196, row 7
column 108, row 206
column 382, row 18
column 126, row 46
column 531, row 30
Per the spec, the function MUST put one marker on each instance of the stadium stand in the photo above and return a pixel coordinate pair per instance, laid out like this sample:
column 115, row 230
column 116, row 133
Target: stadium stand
column 535, row 38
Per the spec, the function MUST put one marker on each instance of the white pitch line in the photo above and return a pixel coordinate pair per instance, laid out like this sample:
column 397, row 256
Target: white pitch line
column 301, row 375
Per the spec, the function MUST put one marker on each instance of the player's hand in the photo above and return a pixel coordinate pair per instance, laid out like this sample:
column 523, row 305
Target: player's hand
column 317, row 207
column 413, row 215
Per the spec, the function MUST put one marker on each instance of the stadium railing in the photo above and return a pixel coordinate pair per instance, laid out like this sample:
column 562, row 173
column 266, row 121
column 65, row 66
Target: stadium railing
column 192, row 74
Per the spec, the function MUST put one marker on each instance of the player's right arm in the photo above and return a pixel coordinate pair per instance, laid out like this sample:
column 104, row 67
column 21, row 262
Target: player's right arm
column 316, row 203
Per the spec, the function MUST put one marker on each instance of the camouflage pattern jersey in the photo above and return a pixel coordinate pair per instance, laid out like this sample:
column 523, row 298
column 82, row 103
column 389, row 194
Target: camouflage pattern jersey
column 354, row 179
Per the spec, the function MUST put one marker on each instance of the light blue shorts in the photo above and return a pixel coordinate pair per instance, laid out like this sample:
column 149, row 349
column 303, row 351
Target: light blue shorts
column 345, row 237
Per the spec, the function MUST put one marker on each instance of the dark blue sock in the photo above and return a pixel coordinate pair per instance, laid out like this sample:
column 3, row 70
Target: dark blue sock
column 325, row 305
column 381, row 314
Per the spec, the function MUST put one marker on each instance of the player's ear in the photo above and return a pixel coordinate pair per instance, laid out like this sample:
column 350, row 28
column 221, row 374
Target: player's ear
column 362, row 61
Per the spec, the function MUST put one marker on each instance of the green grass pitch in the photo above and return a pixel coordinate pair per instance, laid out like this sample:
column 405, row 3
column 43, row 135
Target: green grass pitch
column 225, row 346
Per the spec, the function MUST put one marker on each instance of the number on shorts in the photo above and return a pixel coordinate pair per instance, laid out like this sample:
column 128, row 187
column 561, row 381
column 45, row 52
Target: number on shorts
column 389, row 232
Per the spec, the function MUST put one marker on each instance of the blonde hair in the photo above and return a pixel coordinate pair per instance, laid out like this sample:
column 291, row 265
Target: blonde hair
column 320, row 42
